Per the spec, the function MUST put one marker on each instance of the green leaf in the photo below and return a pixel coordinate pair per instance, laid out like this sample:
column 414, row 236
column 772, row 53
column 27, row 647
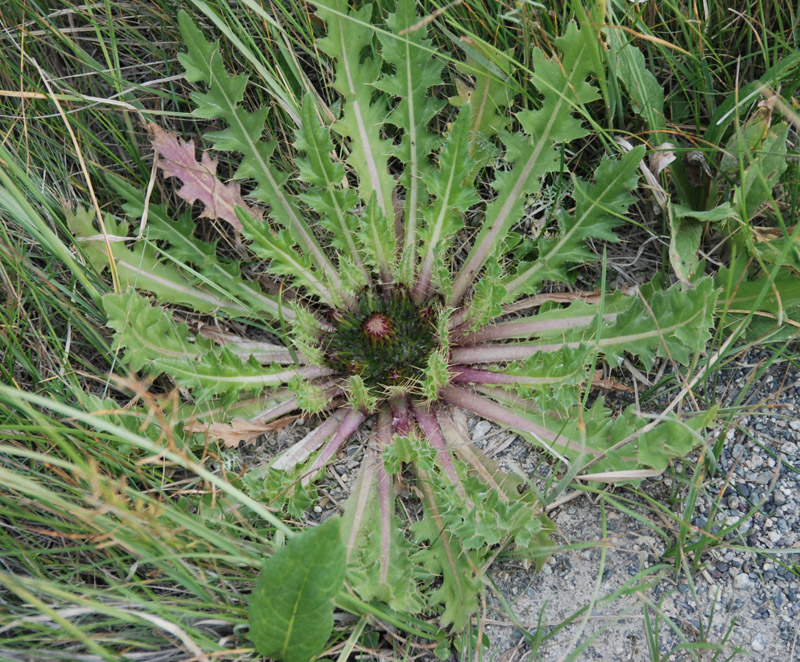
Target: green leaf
column 416, row 70
column 669, row 323
column 222, row 371
column 185, row 247
column 139, row 266
column 453, row 194
column 686, row 230
column 600, row 207
column 773, row 302
column 533, row 154
column 684, row 242
column 763, row 170
column 147, row 332
column 445, row 556
column 645, row 93
column 291, row 609
column 489, row 95
column 349, row 37
column 203, row 63
column 325, row 195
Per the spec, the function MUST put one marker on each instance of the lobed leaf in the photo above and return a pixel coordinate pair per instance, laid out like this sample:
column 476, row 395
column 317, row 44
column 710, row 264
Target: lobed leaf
column 325, row 194
column 415, row 71
column 139, row 266
column 203, row 63
column 445, row 557
column 148, row 332
column 349, row 36
column 200, row 182
column 599, row 208
column 532, row 153
column 223, row 372
column 452, row 193
column 185, row 247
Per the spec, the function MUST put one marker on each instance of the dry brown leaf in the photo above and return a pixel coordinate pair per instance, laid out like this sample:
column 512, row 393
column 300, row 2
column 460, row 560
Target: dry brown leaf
column 200, row 182
column 238, row 430
column 661, row 157
column 609, row 383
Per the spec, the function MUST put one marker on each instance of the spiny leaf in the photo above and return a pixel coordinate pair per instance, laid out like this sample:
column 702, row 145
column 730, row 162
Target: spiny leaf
column 672, row 439
column 436, row 376
column 416, row 70
column 600, row 207
column 379, row 555
column 203, row 63
column 532, row 153
column 595, row 434
column 488, row 295
column 185, row 247
column 446, row 557
column 544, row 375
column 349, row 36
column 291, row 609
column 224, row 372
column 669, row 323
column 326, row 195
column 283, row 259
column 378, row 240
column 452, row 195
column 140, row 267
column 358, row 395
column 148, row 332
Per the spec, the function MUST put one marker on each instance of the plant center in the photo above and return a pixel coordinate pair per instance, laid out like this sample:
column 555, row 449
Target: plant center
column 386, row 340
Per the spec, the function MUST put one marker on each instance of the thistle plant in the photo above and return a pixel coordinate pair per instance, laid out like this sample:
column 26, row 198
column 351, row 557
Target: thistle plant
column 390, row 281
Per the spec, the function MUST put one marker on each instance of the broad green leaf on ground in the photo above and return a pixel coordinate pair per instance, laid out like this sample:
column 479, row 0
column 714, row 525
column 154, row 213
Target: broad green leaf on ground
column 291, row 609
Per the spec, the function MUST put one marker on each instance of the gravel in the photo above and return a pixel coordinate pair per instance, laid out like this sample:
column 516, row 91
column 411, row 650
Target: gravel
column 745, row 598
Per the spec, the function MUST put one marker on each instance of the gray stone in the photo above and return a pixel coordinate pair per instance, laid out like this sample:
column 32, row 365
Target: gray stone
column 763, row 478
